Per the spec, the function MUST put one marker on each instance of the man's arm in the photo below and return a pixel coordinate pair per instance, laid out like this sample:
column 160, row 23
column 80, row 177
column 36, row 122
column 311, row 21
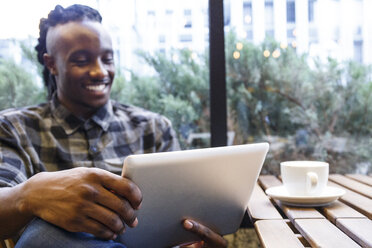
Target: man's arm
column 77, row 200
column 12, row 218
column 80, row 199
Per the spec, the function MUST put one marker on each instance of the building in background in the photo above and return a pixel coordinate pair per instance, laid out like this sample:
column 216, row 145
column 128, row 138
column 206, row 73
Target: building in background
column 154, row 26
column 338, row 28
column 341, row 29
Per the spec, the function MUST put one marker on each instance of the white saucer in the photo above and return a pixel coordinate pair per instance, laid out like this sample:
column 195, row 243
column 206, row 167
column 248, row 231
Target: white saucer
column 329, row 195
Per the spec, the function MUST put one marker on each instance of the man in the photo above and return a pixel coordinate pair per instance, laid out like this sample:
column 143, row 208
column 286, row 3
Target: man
column 59, row 161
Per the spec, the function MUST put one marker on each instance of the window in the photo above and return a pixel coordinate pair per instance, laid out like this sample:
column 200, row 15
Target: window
column 188, row 24
column 291, row 14
column 249, row 33
column 247, row 13
column 269, row 19
column 188, row 18
column 162, row 51
column 187, row 12
column 151, row 13
column 269, row 14
column 311, row 10
column 291, row 33
column 185, row 38
column 269, row 33
column 313, row 35
column 226, row 13
column 358, row 51
column 161, row 38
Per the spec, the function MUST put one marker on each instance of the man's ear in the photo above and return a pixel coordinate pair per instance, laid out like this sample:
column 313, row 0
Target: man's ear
column 50, row 63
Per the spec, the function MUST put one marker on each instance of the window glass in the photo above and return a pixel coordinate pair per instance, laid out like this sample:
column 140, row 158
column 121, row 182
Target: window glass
column 311, row 10
column 269, row 19
column 160, row 55
column 291, row 11
column 306, row 85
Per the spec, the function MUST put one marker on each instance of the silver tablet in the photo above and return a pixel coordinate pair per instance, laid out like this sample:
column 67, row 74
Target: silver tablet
column 210, row 185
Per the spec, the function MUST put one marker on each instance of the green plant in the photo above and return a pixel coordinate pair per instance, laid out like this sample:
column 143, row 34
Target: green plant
column 17, row 87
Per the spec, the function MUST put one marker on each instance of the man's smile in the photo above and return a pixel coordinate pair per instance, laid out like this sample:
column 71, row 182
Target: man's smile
column 96, row 87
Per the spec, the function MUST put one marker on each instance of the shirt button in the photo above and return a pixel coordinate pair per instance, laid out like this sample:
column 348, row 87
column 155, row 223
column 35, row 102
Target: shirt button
column 93, row 149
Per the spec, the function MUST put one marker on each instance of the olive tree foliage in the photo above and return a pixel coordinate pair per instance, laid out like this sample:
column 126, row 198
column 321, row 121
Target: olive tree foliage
column 19, row 82
column 264, row 92
column 17, row 86
column 177, row 89
column 308, row 108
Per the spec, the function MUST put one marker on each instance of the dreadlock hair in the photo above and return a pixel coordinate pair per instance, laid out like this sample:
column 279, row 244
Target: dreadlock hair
column 57, row 16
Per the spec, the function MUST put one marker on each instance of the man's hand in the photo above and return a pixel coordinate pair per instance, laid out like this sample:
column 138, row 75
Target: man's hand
column 210, row 238
column 83, row 200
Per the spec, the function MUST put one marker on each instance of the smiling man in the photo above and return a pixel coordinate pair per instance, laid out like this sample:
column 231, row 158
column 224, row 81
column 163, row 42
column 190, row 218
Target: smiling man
column 80, row 56
column 59, row 161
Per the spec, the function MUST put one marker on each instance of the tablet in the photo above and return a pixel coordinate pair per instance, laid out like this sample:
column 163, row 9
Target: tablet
column 209, row 185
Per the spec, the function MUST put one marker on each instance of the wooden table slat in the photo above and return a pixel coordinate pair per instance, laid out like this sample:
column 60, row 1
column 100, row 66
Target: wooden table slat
column 340, row 210
column 361, row 178
column 268, row 181
column 322, row 233
column 359, row 202
column 302, row 240
column 294, row 213
column 260, row 206
column 351, row 184
column 276, row 233
column 358, row 229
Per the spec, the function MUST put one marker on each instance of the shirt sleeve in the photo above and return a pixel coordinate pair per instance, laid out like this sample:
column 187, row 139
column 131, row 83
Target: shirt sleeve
column 13, row 157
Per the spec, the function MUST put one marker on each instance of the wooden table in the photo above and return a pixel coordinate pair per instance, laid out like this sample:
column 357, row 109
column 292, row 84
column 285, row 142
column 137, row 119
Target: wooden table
column 345, row 223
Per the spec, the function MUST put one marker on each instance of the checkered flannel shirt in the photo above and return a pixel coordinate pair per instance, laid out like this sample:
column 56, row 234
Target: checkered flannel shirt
column 48, row 137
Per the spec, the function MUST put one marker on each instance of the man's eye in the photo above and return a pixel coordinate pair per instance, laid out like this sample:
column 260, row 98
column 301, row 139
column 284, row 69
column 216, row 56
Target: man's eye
column 80, row 61
column 108, row 60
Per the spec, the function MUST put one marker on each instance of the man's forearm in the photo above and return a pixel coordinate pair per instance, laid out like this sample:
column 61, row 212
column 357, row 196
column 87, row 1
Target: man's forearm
column 12, row 216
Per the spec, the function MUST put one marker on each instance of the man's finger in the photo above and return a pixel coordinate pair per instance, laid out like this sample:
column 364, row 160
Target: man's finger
column 210, row 238
column 119, row 205
column 123, row 187
column 97, row 229
column 106, row 217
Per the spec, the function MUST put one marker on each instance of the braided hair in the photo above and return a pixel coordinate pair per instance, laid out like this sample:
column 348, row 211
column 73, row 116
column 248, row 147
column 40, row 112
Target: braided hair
column 57, row 16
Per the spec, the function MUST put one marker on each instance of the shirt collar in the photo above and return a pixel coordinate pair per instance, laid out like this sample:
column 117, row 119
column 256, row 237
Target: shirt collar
column 70, row 123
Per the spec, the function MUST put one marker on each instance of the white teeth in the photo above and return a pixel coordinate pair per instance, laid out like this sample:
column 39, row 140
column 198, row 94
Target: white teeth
column 99, row 87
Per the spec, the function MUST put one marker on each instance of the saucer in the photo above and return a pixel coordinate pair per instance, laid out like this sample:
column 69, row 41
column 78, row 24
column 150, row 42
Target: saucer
column 329, row 195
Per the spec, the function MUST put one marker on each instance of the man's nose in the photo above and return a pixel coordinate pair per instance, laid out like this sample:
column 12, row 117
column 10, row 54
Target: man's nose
column 98, row 70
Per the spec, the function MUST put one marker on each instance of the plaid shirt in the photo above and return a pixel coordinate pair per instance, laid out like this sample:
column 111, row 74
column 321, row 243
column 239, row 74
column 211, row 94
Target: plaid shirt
column 48, row 137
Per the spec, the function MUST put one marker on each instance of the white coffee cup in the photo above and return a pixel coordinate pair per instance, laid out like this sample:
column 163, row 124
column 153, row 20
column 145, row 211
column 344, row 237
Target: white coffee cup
column 304, row 178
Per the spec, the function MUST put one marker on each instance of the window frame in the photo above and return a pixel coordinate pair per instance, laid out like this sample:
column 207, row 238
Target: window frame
column 217, row 74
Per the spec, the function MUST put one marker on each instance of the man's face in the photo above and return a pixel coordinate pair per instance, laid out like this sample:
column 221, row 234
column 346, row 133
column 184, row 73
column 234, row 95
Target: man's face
column 80, row 56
